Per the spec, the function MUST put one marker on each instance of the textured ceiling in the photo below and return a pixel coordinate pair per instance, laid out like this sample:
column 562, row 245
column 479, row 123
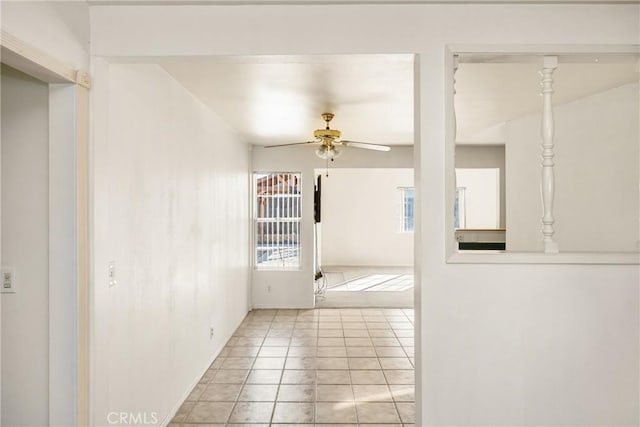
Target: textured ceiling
column 279, row 99
column 488, row 94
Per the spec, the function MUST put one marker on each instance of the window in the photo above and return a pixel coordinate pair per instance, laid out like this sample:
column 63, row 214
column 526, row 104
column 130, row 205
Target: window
column 407, row 209
column 278, row 212
column 460, row 209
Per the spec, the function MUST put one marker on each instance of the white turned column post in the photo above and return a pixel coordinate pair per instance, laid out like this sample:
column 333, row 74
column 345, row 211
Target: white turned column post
column 547, row 184
column 456, row 62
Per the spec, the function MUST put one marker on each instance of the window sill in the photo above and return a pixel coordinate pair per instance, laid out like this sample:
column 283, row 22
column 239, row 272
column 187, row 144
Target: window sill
column 499, row 257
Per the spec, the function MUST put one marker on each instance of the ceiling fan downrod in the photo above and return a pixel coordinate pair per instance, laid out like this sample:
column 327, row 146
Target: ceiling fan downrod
column 327, row 117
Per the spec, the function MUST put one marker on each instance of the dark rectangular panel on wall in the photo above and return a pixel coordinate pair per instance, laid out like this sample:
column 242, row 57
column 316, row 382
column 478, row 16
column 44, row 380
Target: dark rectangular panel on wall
column 481, row 246
column 316, row 199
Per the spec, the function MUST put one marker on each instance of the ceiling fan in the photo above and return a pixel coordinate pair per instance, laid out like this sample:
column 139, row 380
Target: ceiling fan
column 330, row 144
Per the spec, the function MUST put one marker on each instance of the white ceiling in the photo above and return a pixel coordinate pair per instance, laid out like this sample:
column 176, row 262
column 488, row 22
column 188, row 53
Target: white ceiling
column 279, row 99
column 488, row 94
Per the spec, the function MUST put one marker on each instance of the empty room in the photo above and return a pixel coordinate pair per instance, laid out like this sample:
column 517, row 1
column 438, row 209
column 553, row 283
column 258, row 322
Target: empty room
column 355, row 213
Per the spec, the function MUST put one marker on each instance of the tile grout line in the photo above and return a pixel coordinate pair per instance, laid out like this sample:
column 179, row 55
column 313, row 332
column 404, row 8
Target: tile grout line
column 395, row 403
column 353, row 393
column 244, row 382
column 275, row 402
column 383, row 373
column 273, row 410
column 315, row 318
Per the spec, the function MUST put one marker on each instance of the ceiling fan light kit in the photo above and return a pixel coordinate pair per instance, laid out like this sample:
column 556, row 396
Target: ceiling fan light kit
column 328, row 152
column 329, row 141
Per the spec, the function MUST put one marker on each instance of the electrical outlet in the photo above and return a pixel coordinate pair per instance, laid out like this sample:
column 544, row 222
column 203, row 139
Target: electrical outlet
column 269, row 288
column 210, row 332
column 8, row 281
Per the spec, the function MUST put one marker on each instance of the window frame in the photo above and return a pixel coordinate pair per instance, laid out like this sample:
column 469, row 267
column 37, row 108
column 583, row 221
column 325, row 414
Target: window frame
column 256, row 220
column 451, row 254
column 403, row 210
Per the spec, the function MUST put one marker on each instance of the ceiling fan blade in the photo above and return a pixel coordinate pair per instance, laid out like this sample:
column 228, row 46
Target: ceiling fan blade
column 367, row 145
column 293, row 143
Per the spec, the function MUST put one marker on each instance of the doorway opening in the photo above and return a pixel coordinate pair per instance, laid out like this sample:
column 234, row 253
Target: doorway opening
column 363, row 236
column 44, row 224
column 276, row 101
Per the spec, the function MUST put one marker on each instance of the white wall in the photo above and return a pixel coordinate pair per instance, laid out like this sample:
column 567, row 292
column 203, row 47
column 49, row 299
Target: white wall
column 171, row 203
column 64, row 373
column 25, row 247
column 497, row 344
column 59, row 28
column 362, row 218
column 481, row 205
column 485, row 156
column 294, row 289
column 596, row 169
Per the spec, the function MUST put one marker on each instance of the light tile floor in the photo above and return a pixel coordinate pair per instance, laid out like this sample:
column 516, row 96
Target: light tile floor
column 376, row 283
column 323, row 367
column 344, row 287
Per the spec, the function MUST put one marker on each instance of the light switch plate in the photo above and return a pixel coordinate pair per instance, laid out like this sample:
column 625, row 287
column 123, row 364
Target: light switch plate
column 8, row 285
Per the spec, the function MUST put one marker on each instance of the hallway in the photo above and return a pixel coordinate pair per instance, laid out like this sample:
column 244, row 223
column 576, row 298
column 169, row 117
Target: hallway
column 348, row 367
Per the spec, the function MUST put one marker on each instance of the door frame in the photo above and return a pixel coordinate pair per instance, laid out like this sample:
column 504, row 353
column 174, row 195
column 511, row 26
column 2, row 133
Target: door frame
column 69, row 249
